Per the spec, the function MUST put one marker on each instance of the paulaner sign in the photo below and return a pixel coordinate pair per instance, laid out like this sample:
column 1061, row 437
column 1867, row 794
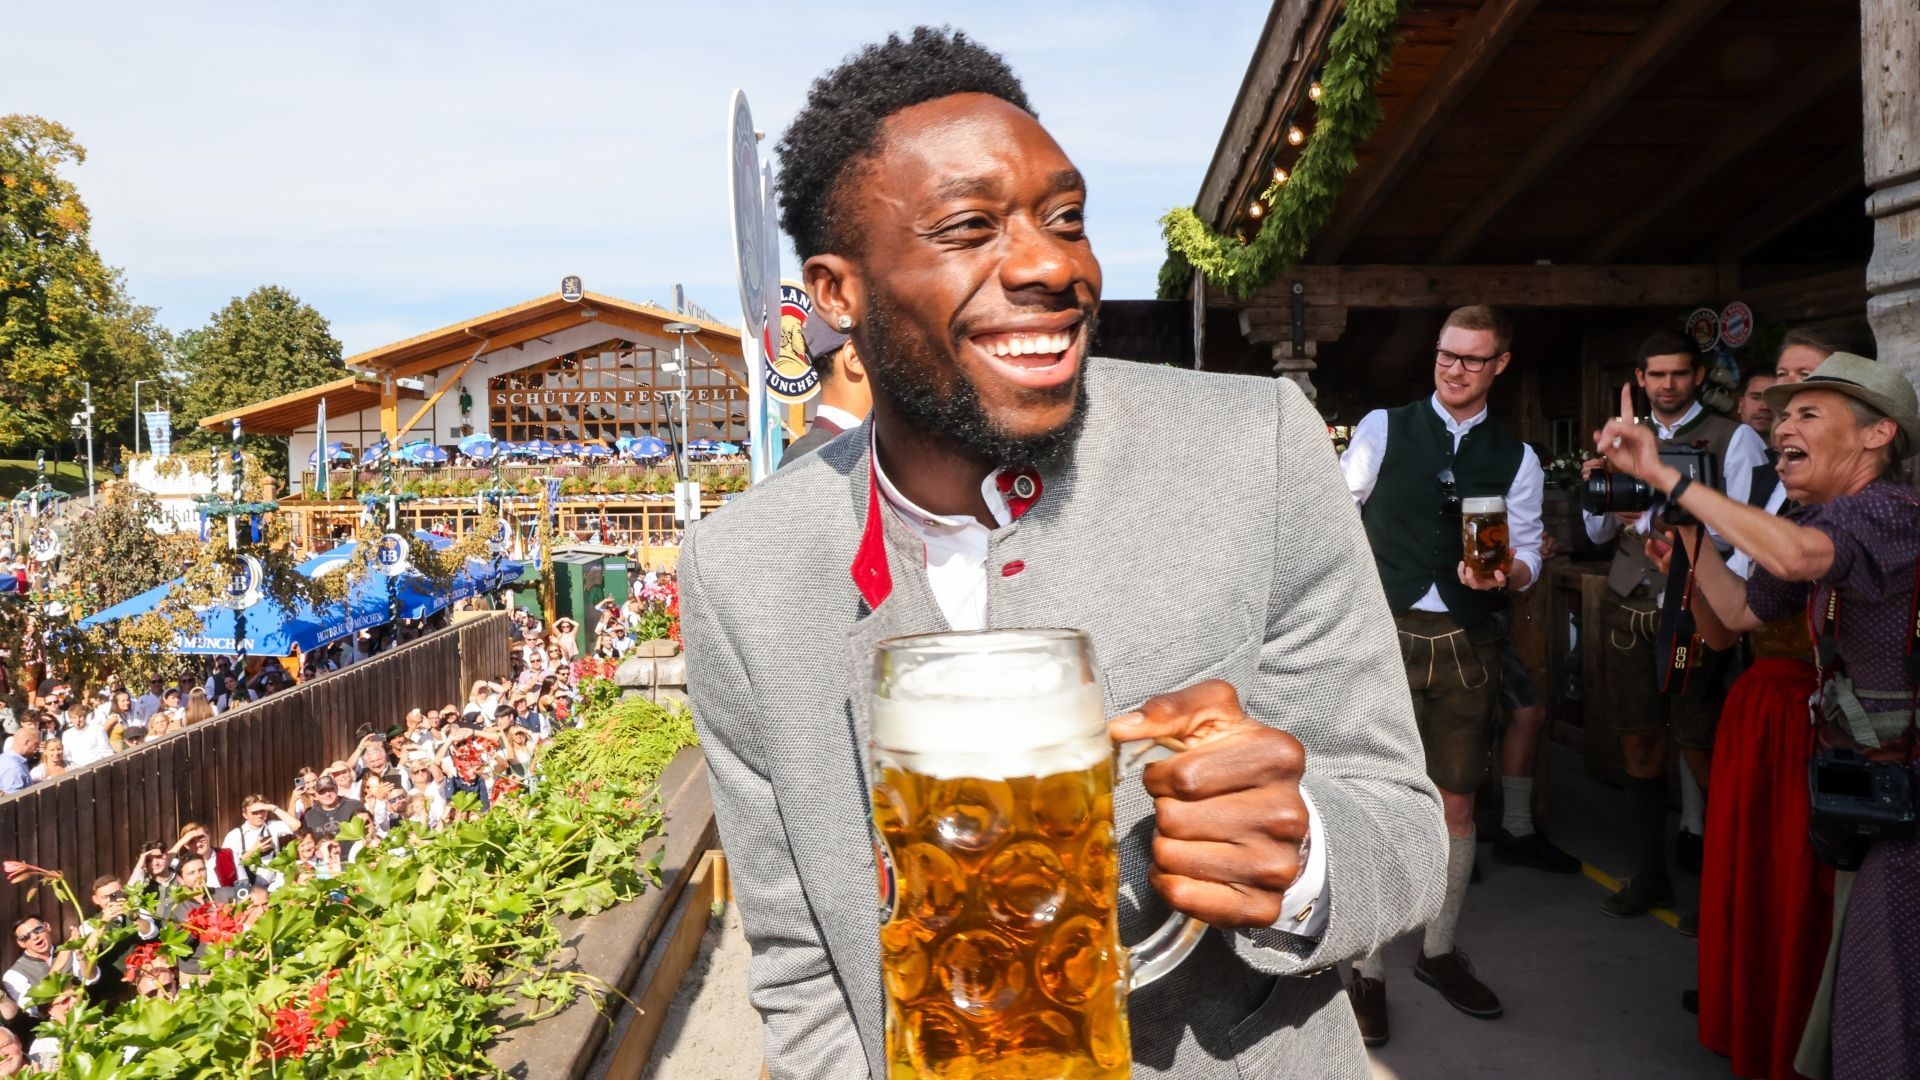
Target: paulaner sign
column 619, row 396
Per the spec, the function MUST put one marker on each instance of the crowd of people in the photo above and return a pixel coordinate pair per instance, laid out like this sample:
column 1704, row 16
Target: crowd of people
column 51, row 726
column 223, row 874
column 1737, row 541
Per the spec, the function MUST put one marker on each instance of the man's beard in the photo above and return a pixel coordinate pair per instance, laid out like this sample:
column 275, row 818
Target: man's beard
column 902, row 367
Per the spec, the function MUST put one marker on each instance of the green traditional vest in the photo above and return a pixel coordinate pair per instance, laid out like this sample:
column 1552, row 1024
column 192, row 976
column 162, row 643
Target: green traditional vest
column 1416, row 541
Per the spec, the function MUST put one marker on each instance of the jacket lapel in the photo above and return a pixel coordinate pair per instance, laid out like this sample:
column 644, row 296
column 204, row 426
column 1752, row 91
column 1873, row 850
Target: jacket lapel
column 907, row 607
column 905, row 603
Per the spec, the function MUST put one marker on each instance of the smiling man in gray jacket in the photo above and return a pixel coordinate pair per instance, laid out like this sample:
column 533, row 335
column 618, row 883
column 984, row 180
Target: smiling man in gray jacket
column 1006, row 479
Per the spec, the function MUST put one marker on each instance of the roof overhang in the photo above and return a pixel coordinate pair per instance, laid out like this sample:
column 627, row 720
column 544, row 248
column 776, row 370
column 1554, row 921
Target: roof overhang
column 1276, row 79
column 290, row 412
column 532, row 320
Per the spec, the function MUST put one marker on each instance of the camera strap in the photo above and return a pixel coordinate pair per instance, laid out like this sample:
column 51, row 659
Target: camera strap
column 1679, row 642
column 1824, row 620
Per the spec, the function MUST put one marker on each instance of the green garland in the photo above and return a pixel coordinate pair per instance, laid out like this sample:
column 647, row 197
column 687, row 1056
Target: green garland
column 1357, row 55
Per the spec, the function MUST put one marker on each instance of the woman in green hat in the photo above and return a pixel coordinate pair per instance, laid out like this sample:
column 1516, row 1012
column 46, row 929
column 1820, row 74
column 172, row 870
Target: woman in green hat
column 1848, row 556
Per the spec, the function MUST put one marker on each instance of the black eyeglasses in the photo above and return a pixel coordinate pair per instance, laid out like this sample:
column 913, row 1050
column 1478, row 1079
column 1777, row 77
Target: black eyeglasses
column 1446, row 358
column 1449, row 495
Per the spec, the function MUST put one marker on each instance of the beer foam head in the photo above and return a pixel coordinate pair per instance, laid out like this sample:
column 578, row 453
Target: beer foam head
column 995, row 704
column 1491, row 504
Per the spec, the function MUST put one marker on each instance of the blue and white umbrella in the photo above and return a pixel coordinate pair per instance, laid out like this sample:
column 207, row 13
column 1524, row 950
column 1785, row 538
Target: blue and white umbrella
column 479, row 447
column 373, row 454
column 422, row 453
column 595, row 450
column 642, row 446
column 569, row 448
column 335, row 452
column 700, row 446
column 725, row 448
column 538, row 448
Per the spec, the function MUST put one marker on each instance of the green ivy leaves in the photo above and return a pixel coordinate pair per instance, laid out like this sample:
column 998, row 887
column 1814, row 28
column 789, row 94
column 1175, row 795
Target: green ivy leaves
column 1358, row 53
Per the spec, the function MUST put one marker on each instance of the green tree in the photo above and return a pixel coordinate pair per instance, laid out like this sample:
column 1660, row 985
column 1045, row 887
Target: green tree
column 65, row 317
column 259, row 346
column 113, row 552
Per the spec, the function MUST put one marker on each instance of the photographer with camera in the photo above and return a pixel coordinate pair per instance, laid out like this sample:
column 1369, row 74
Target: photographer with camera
column 1848, row 557
column 118, row 920
column 1658, row 681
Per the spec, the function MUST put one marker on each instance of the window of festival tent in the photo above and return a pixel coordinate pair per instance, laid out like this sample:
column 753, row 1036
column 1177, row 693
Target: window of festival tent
column 612, row 390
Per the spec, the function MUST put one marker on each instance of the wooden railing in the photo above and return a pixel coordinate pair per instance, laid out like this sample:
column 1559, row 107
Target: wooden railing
column 93, row 820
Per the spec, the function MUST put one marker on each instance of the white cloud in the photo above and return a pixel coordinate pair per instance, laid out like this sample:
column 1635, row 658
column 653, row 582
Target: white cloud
column 405, row 166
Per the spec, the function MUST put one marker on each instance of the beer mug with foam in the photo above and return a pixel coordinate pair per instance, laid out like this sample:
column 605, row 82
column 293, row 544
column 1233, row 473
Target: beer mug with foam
column 993, row 784
column 1483, row 535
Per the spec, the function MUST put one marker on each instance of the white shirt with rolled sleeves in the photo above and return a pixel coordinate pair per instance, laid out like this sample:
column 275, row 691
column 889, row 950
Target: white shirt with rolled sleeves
column 957, row 571
column 1368, row 448
column 1742, row 563
column 1746, row 451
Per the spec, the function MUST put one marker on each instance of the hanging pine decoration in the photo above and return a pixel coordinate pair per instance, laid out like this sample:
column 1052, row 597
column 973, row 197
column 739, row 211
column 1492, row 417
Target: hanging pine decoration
column 1358, row 52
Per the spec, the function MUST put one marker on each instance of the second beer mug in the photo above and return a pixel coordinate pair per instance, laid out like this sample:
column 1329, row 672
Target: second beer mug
column 993, row 783
column 1483, row 535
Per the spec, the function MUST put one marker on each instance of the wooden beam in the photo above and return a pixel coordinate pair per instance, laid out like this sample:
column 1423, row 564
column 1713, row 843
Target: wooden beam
column 1761, row 124
column 730, row 344
column 440, row 358
column 389, row 408
column 1820, row 296
column 1842, row 175
column 1480, row 44
column 445, row 383
column 1253, row 175
column 1274, row 324
column 1638, row 61
column 1520, row 286
column 1251, row 105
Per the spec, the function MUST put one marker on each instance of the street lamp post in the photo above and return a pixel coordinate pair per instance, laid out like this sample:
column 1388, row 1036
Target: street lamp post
column 136, row 411
column 83, row 426
column 680, row 331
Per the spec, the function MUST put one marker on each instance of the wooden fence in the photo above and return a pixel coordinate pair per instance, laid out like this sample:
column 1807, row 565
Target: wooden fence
column 93, row 820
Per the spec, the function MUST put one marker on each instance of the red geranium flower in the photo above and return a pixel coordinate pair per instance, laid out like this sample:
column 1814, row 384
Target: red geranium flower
column 139, row 958
column 214, row 924
column 292, row 1033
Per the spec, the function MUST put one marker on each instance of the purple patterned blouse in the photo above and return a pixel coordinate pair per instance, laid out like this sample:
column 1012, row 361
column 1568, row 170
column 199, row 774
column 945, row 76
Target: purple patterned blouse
column 1876, row 546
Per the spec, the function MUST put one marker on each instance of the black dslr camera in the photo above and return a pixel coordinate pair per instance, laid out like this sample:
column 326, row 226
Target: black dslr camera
column 1620, row 493
column 1855, row 802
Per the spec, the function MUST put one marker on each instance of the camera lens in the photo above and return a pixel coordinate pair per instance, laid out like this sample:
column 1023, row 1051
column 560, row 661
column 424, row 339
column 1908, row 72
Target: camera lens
column 1614, row 493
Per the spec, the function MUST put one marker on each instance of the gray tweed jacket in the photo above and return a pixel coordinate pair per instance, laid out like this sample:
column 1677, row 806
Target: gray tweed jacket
column 1200, row 530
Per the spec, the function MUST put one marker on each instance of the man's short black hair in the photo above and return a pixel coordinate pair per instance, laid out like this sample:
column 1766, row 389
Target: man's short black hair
column 1746, row 379
column 840, row 124
column 1668, row 343
column 826, row 360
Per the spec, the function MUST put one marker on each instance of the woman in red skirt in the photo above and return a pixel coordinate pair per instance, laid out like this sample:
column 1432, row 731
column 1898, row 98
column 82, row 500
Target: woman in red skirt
column 1765, row 902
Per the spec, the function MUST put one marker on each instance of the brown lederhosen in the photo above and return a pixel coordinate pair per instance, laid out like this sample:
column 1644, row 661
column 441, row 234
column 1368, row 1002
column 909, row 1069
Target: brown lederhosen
column 1454, row 676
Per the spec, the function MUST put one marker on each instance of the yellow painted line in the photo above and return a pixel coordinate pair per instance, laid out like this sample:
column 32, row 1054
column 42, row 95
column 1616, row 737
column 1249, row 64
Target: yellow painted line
column 1612, row 884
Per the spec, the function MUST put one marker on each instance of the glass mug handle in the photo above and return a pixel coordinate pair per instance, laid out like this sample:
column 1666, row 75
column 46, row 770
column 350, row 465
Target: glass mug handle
column 1176, row 939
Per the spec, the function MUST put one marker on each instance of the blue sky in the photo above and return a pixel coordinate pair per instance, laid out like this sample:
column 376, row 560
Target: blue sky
column 404, row 166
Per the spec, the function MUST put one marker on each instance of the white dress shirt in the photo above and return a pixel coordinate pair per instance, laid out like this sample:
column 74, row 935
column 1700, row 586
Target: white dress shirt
column 86, row 745
column 1746, row 451
column 839, row 417
column 1367, row 449
column 145, row 706
column 1742, row 563
column 957, row 572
